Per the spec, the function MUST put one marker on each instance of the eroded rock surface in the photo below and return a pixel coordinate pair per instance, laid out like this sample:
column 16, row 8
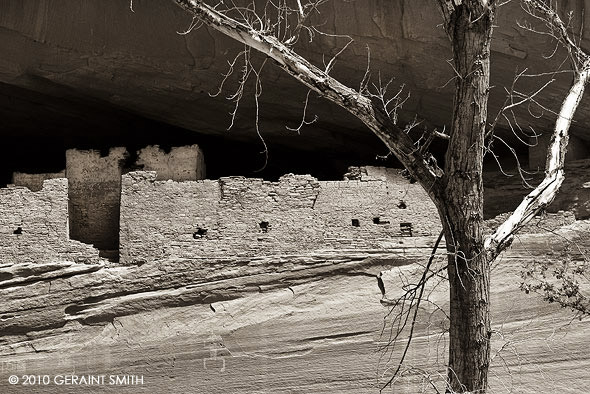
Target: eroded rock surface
column 276, row 324
column 104, row 54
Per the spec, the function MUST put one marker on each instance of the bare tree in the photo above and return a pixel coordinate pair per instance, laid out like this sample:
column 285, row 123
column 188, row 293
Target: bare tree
column 456, row 190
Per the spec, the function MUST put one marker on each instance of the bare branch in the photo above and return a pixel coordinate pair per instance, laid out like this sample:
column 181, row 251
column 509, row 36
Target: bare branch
column 303, row 121
column 543, row 194
column 318, row 80
column 556, row 28
column 417, row 296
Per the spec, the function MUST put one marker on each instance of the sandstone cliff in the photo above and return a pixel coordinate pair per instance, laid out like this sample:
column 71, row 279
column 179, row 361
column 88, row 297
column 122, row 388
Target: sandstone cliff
column 299, row 323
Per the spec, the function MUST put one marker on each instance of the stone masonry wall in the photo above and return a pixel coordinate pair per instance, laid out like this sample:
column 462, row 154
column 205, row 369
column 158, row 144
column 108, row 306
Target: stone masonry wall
column 34, row 181
column 95, row 187
column 237, row 216
column 261, row 217
column 34, row 226
column 182, row 163
column 95, row 190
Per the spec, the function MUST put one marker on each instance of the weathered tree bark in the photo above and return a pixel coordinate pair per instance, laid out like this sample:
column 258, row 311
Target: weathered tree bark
column 469, row 29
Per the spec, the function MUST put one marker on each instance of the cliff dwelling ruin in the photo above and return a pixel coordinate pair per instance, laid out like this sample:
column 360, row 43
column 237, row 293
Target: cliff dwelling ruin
column 160, row 207
column 142, row 235
column 103, row 204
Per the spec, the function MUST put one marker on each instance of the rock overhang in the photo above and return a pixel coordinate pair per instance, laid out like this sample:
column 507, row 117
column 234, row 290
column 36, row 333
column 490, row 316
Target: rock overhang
column 103, row 68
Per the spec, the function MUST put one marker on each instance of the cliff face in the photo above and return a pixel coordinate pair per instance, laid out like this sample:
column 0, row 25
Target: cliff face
column 299, row 323
column 82, row 71
column 70, row 58
column 245, row 285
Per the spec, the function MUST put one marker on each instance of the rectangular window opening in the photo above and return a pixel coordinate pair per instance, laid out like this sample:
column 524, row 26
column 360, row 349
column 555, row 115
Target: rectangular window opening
column 406, row 229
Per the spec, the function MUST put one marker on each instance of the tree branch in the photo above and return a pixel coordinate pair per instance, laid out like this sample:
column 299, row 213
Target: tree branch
column 420, row 289
column 400, row 144
column 557, row 28
column 543, row 194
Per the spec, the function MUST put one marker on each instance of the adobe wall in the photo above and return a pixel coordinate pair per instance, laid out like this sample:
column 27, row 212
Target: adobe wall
column 34, row 226
column 182, row 163
column 95, row 190
column 237, row 216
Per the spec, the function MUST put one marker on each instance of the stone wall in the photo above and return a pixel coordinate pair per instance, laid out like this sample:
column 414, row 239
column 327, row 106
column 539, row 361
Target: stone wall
column 372, row 213
column 183, row 163
column 95, row 187
column 95, row 190
column 237, row 216
column 34, row 181
column 34, row 226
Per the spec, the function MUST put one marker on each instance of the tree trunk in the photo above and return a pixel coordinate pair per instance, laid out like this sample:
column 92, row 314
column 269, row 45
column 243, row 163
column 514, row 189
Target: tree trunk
column 462, row 211
column 469, row 331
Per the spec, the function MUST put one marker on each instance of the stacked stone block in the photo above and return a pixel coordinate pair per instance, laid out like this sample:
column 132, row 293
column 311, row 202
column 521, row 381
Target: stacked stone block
column 34, row 226
column 237, row 216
